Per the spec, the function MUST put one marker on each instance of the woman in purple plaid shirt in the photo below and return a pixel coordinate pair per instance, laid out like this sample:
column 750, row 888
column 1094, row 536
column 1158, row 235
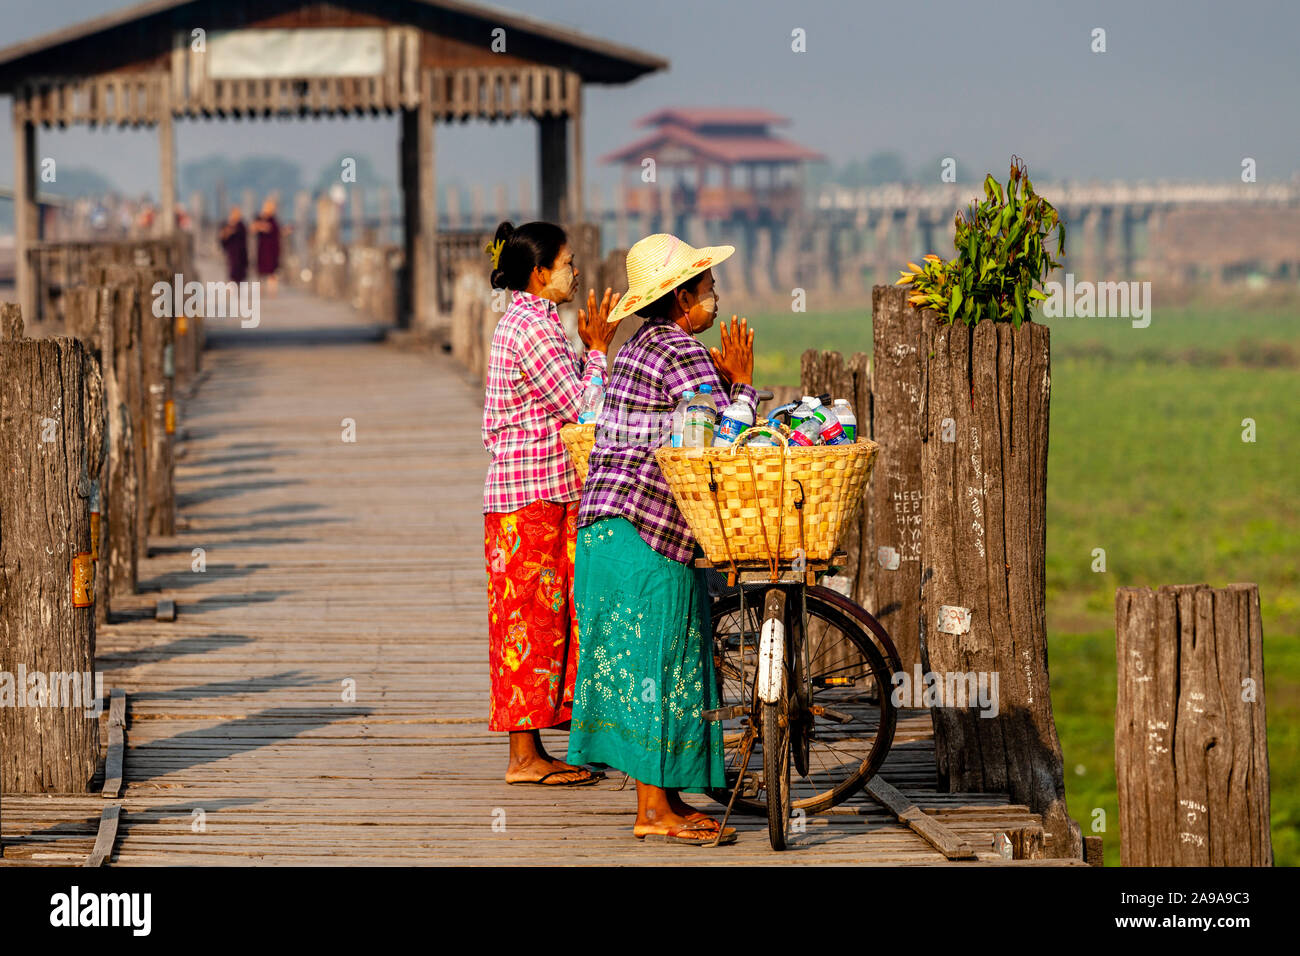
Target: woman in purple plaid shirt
column 535, row 384
column 645, row 672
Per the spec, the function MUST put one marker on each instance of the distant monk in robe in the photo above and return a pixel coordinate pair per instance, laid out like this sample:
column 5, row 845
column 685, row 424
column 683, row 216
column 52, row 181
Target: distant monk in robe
column 234, row 243
column 267, row 230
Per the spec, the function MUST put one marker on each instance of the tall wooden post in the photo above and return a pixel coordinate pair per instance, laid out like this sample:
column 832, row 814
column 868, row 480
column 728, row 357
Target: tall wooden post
column 47, row 626
column 552, row 151
column 896, row 498
column 157, row 354
column 27, row 224
column 419, row 210
column 576, row 209
column 1191, row 743
column 120, row 491
column 167, row 162
column 983, row 568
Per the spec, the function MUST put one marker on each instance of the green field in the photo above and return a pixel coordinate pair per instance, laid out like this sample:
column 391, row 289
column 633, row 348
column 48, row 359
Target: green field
column 1147, row 461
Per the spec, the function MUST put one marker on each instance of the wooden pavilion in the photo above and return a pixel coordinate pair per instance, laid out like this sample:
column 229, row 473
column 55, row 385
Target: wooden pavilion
column 428, row 60
column 727, row 162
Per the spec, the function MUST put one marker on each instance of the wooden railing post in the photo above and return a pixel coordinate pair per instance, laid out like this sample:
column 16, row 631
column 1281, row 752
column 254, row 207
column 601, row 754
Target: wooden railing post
column 47, row 626
column 120, row 491
column 157, row 340
column 983, row 570
column 1191, row 745
column 830, row 372
column 896, row 507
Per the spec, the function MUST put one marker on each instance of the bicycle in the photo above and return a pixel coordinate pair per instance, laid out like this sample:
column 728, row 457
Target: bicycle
column 805, row 687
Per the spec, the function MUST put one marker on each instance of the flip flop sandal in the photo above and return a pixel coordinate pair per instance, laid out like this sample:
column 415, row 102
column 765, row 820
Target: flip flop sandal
column 541, row 781
column 676, row 837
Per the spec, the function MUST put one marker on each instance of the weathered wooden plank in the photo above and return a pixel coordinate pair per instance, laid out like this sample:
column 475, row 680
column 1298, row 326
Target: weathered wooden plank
column 116, row 756
column 106, row 837
column 935, row 833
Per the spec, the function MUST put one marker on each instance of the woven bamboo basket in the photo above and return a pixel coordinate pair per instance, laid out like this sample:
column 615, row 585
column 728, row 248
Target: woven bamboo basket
column 752, row 518
column 578, row 440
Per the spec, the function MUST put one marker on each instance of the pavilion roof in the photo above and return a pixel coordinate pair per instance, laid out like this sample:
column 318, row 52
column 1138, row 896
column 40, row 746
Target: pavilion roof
column 143, row 32
column 716, row 148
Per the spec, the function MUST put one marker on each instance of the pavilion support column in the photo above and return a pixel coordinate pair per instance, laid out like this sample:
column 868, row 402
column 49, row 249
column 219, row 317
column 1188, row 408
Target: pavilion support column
column 419, row 214
column 167, row 165
column 576, row 209
column 552, row 150
column 27, row 220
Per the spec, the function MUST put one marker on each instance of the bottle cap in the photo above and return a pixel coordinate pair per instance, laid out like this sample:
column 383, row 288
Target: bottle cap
column 841, row 401
column 706, row 388
column 812, row 401
column 689, row 393
column 809, row 399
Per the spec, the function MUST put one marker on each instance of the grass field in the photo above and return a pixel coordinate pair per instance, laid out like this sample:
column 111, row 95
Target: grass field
column 1147, row 461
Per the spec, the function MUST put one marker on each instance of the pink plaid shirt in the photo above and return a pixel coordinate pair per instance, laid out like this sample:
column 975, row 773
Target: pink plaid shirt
column 535, row 383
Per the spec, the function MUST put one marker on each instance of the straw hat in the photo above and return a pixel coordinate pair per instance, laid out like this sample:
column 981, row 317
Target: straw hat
column 659, row 263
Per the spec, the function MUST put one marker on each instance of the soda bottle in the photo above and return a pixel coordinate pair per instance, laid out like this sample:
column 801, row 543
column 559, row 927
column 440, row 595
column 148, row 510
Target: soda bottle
column 701, row 419
column 679, row 417
column 735, row 418
column 848, row 421
column 808, row 433
column 593, row 399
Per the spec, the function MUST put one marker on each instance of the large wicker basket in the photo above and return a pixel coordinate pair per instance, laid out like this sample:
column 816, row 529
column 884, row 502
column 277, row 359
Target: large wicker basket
column 752, row 518
column 578, row 440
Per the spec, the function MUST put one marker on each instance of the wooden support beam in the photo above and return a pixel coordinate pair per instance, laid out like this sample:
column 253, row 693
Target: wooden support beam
column 553, row 161
column 166, row 160
column 27, row 226
column 420, row 204
column 576, row 185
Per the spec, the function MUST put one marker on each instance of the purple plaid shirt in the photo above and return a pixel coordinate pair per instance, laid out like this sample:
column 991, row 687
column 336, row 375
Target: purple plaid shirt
column 654, row 367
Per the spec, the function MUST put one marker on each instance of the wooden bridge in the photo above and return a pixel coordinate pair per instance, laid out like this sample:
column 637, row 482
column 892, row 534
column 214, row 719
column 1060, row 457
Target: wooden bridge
column 321, row 697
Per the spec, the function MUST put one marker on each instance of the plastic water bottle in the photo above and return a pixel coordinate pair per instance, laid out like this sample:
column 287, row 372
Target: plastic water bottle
column 679, row 417
column 809, row 431
column 735, row 418
column 802, row 411
column 848, row 421
column 764, row 440
column 593, row 399
column 701, row 419
column 832, row 432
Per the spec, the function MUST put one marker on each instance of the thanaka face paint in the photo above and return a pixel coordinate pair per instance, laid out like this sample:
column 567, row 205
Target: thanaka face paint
column 561, row 285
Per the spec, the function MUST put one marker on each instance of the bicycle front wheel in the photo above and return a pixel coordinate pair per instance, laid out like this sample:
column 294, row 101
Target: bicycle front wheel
column 851, row 716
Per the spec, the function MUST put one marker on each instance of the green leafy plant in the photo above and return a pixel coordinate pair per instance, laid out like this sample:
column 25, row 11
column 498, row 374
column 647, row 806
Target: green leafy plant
column 1002, row 256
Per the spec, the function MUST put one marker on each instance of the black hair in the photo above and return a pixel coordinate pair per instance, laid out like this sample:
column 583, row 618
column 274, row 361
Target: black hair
column 662, row 307
column 534, row 245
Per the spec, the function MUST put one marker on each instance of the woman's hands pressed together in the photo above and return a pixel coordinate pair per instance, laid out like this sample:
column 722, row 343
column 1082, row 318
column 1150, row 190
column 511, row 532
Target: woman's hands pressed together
column 594, row 327
column 735, row 360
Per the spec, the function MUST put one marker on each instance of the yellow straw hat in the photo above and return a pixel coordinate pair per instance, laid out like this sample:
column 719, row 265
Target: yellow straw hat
column 659, row 263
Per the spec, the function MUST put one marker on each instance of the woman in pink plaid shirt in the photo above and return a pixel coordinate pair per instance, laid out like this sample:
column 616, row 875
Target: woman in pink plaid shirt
column 535, row 384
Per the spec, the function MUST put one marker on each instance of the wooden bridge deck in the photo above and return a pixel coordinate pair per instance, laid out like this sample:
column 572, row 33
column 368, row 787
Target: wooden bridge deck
column 330, row 562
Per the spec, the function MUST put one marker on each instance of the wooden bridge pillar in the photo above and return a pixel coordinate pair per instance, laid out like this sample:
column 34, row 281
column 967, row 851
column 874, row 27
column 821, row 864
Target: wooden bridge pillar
column 1191, row 742
column 553, row 158
column 419, row 304
column 47, row 625
column 27, row 219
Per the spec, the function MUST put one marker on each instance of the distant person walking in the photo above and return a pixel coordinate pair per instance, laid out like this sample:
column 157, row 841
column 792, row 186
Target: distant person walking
column 234, row 243
column 267, row 230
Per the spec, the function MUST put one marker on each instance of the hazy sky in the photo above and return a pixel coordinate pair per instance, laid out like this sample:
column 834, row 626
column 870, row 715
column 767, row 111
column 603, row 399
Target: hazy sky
column 1185, row 89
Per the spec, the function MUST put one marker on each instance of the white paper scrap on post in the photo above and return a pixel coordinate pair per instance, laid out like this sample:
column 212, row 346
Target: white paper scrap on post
column 888, row 557
column 954, row 620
